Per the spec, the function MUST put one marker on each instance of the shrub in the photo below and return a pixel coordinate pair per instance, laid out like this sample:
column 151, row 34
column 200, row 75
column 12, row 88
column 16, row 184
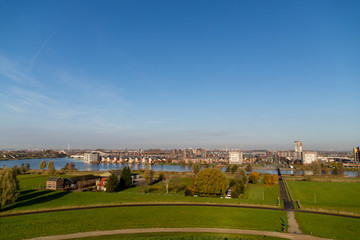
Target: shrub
column 189, row 191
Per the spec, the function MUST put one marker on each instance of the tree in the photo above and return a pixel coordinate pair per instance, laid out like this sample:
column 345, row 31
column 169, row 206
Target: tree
column 228, row 169
column 125, row 178
column 22, row 169
column 324, row 170
column 234, row 168
column 254, row 177
column 239, row 183
column 166, row 180
column 338, row 169
column 316, row 168
column 111, row 183
column 240, row 176
column 148, row 175
column 211, row 182
column 176, row 184
column 42, row 165
column 69, row 166
column 249, row 168
column 196, row 168
column 27, row 167
column 50, row 168
column 9, row 187
column 270, row 180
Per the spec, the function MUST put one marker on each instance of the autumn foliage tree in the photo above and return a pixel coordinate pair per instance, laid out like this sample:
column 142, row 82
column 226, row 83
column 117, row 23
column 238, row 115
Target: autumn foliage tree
column 211, row 182
column 270, row 180
column 254, row 177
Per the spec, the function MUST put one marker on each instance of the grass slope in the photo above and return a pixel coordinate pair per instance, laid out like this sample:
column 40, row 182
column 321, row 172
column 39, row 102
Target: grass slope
column 31, row 199
column 28, row 226
column 329, row 226
column 333, row 196
column 182, row 236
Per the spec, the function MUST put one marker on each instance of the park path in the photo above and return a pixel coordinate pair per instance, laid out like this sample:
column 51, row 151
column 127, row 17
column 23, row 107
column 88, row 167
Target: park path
column 293, row 225
column 291, row 236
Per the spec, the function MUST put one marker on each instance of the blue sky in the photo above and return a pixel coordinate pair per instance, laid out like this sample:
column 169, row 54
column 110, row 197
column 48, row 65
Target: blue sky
column 176, row 74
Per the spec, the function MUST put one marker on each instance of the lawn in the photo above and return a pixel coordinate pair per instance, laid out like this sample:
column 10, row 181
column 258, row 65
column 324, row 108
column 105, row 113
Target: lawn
column 31, row 199
column 331, row 196
column 182, row 236
column 329, row 226
column 18, row 227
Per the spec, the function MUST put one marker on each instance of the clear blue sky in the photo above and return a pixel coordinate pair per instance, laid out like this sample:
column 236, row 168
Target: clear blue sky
column 176, row 74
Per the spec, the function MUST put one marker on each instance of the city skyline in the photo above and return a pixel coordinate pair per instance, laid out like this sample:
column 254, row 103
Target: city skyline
column 159, row 74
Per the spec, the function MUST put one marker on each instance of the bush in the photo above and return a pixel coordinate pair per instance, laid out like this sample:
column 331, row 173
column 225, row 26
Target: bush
column 189, row 191
column 254, row 177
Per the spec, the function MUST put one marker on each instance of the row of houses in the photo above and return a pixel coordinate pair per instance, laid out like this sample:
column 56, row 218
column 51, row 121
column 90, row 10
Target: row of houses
column 83, row 182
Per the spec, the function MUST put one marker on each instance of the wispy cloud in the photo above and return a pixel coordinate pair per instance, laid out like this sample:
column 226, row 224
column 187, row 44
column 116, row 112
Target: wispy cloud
column 33, row 59
column 13, row 72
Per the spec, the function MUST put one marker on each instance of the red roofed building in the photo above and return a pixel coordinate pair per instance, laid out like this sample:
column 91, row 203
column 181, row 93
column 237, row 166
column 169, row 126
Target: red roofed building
column 100, row 185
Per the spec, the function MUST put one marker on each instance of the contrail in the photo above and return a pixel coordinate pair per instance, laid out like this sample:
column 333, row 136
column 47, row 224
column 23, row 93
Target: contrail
column 33, row 59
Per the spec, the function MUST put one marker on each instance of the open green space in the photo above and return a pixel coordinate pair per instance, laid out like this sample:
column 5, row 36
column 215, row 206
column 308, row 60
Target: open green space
column 330, row 196
column 31, row 199
column 182, row 236
column 19, row 227
column 329, row 226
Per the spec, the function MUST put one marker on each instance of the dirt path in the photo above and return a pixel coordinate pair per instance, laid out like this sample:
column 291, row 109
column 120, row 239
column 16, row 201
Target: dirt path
column 293, row 225
column 177, row 230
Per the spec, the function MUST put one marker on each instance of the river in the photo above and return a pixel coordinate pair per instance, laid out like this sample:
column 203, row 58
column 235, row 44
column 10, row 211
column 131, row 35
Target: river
column 81, row 166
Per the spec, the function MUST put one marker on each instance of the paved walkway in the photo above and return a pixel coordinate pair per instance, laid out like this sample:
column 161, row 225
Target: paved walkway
column 291, row 236
column 293, row 225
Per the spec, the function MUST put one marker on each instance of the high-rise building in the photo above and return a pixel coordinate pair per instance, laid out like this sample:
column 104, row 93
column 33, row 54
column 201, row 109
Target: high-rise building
column 298, row 150
column 235, row 157
column 309, row 157
column 357, row 154
column 92, row 157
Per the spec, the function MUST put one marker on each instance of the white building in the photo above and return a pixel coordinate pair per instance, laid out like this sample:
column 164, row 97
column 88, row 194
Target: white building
column 309, row 157
column 235, row 157
column 91, row 157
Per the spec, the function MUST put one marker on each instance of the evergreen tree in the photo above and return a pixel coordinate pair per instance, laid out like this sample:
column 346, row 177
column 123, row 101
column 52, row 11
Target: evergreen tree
column 9, row 187
column 125, row 178
column 111, row 183
column 42, row 165
column 50, row 168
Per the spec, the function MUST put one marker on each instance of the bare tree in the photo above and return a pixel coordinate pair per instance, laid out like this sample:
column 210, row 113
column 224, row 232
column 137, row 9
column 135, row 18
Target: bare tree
column 166, row 180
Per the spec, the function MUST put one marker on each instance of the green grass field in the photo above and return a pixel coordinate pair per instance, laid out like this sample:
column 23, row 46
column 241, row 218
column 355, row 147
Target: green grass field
column 331, row 196
column 31, row 199
column 19, row 227
column 329, row 226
